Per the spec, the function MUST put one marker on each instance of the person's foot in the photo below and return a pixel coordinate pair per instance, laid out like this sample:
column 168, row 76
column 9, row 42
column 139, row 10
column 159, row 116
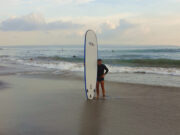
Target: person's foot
column 104, row 96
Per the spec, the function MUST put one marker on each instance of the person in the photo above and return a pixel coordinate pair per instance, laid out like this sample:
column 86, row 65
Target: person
column 102, row 70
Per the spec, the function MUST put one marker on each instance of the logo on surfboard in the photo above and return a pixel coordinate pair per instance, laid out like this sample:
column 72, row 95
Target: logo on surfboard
column 91, row 44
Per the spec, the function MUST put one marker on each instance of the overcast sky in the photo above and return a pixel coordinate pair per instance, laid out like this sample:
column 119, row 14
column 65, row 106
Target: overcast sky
column 60, row 22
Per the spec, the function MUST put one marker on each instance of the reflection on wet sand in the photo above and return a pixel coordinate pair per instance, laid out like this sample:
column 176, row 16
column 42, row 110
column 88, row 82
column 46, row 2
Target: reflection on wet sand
column 2, row 85
column 92, row 118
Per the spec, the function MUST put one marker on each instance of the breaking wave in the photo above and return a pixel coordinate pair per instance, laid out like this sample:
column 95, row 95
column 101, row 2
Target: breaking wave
column 165, row 63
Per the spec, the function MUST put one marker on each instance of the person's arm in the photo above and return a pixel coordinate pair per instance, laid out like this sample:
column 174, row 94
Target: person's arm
column 107, row 70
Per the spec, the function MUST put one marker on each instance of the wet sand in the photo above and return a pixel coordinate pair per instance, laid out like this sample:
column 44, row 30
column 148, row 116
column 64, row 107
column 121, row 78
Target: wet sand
column 3, row 85
column 47, row 105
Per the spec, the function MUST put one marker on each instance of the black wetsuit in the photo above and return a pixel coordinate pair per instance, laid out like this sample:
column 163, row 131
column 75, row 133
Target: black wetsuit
column 101, row 68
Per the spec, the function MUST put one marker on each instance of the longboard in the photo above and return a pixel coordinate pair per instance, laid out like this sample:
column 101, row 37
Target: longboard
column 90, row 63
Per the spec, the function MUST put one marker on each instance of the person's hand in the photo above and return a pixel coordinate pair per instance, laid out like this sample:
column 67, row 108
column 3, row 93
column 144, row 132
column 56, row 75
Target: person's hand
column 103, row 75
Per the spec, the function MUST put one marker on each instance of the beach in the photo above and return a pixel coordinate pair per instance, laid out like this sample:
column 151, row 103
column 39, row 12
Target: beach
column 89, row 67
column 33, row 103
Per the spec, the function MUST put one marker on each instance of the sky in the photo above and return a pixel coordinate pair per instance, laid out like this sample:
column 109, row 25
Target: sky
column 64, row 22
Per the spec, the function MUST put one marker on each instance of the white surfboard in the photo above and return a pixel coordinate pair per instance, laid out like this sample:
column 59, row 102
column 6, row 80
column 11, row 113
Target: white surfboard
column 90, row 63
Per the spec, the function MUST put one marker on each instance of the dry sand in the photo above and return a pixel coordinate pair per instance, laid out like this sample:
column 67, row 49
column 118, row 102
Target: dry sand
column 47, row 105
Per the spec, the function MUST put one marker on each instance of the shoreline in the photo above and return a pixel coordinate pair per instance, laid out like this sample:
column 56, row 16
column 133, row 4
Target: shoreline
column 69, row 76
column 132, row 78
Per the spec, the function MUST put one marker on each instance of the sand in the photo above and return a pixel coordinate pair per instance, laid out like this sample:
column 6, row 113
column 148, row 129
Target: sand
column 56, row 105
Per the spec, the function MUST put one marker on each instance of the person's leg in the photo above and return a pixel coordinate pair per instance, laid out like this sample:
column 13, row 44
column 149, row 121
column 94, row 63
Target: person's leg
column 103, row 89
column 97, row 89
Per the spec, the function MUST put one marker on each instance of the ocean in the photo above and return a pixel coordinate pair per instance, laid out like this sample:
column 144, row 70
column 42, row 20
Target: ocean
column 154, row 65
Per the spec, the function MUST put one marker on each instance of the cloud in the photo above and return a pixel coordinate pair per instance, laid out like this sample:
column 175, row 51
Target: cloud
column 21, row 2
column 123, row 29
column 34, row 21
column 73, row 1
column 110, row 30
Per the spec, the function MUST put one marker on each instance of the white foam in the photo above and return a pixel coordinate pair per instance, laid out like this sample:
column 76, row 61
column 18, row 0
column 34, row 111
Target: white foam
column 149, row 70
column 60, row 65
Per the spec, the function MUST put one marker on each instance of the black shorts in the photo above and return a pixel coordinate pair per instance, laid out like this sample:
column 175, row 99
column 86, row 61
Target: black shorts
column 99, row 79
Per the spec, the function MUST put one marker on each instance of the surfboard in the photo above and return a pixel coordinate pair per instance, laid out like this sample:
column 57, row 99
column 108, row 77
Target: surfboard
column 90, row 63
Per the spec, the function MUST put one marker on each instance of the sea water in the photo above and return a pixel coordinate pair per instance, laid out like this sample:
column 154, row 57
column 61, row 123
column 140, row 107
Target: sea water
column 155, row 65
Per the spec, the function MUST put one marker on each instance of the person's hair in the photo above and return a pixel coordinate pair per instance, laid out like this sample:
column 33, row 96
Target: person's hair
column 99, row 59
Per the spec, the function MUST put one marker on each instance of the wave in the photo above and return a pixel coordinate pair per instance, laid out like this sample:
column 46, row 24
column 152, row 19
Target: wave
column 166, row 63
column 141, row 50
column 57, row 58
column 69, row 66
column 145, row 70
column 156, row 50
column 64, row 66
column 79, row 66
column 4, row 56
column 137, row 62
